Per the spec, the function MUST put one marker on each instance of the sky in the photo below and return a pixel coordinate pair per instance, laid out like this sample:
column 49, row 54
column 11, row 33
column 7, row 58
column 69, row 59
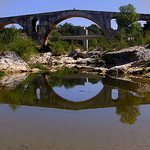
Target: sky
column 23, row 7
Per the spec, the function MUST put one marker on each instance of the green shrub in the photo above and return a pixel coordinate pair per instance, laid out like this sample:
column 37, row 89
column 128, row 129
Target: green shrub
column 7, row 35
column 147, row 39
column 40, row 66
column 23, row 47
column 11, row 40
column 1, row 74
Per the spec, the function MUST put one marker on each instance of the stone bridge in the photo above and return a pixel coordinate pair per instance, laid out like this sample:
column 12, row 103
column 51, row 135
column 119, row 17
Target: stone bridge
column 47, row 22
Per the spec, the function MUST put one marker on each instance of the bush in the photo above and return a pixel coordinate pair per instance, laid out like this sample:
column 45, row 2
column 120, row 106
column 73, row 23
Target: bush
column 11, row 40
column 23, row 47
column 1, row 74
column 39, row 66
column 8, row 35
column 147, row 39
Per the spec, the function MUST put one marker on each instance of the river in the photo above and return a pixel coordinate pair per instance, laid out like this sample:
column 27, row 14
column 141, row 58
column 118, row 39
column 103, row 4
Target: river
column 70, row 110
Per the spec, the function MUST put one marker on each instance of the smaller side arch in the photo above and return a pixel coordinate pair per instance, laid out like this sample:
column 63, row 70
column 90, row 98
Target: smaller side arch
column 2, row 25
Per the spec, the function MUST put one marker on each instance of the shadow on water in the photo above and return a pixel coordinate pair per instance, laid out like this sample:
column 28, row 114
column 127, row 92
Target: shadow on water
column 125, row 94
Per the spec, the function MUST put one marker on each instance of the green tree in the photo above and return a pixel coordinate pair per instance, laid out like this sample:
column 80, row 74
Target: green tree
column 94, row 30
column 7, row 35
column 67, row 29
column 127, row 17
column 10, row 39
column 55, row 36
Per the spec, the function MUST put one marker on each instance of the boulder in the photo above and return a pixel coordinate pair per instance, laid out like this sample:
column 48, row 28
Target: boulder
column 99, row 52
column 84, row 54
column 122, row 69
column 11, row 62
column 125, row 56
column 43, row 58
column 72, row 53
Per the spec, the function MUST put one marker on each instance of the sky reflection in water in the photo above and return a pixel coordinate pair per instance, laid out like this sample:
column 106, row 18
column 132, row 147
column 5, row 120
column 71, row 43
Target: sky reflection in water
column 117, row 111
column 79, row 92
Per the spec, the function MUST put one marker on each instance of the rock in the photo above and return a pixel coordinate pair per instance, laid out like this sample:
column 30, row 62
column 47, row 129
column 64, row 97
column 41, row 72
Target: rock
column 11, row 62
column 100, row 70
column 138, row 70
column 82, row 61
column 43, row 58
column 118, row 69
column 72, row 53
column 125, row 56
column 35, row 70
column 98, row 52
column 63, row 60
column 97, row 62
column 147, row 75
column 82, row 55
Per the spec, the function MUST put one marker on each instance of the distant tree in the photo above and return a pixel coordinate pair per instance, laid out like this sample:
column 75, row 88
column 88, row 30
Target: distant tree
column 67, row 29
column 127, row 17
column 94, row 30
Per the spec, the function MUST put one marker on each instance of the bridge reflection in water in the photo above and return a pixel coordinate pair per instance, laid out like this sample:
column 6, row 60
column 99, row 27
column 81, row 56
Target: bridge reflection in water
column 125, row 95
column 125, row 90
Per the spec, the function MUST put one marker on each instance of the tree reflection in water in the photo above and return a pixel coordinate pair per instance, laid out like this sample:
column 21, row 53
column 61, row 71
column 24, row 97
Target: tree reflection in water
column 36, row 90
column 128, row 108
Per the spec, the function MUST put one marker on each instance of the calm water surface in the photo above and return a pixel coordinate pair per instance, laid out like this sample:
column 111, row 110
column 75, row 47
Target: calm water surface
column 67, row 110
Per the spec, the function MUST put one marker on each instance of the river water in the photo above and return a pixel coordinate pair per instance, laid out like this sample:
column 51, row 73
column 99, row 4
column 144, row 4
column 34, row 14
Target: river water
column 70, row 110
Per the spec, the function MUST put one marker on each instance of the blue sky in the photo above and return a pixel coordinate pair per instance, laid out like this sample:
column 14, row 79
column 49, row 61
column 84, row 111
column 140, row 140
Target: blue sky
column 22, row 7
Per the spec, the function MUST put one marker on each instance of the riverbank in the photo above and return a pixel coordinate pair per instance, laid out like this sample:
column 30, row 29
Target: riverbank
column 133, row 60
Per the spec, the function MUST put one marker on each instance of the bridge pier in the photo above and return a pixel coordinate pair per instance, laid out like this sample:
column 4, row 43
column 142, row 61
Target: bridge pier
column 85, row 45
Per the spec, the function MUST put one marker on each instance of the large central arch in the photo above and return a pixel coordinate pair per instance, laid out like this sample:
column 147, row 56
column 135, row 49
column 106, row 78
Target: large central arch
column 71, row 14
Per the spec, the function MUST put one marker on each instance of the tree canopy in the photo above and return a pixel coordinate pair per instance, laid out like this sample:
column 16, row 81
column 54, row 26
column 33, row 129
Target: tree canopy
column 127, row 17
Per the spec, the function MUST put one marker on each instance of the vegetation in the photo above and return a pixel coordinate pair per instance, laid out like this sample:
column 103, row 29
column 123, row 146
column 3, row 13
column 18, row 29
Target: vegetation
column 130, row 33
column 10, row 39
column 39, row 66
column 59, row 46
column 127, row 18
column 1, row 74
column 23, row 94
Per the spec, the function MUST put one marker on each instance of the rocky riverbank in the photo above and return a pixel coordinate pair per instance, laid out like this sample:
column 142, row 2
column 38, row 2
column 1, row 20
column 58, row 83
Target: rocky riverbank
column 133, row 60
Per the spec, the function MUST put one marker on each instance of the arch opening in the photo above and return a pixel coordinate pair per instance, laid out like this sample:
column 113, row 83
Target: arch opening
column 35, row 25
column 70, row 18
column 82, row 33
column 114, row 24
column 10, row 25
column 142, row 22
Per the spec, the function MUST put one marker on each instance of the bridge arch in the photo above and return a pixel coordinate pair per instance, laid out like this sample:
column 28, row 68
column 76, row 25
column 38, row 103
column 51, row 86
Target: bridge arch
column 4, row 24
column 71, row 14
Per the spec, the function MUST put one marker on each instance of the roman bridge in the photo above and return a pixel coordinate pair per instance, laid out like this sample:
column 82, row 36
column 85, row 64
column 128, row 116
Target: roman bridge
column 47, row 22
